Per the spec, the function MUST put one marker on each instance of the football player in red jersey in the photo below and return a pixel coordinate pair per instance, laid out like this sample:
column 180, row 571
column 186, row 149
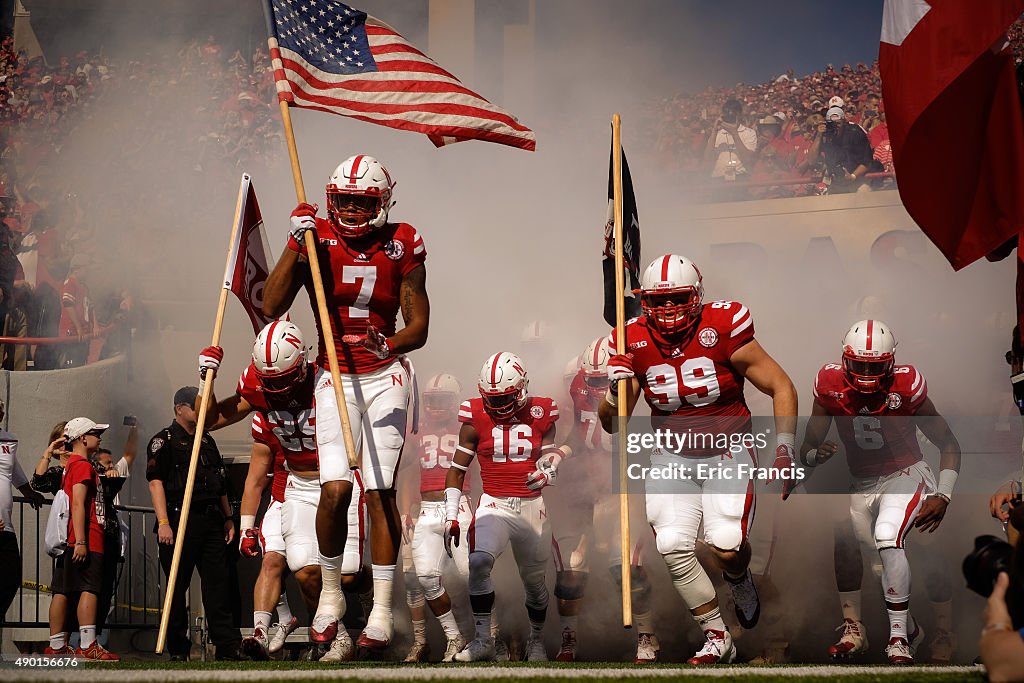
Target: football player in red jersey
column 435, row 444
column 877, row 407
column 371, row 269
column 587, row 514
column 277, row 389
column 513, row 434
column 691, row 360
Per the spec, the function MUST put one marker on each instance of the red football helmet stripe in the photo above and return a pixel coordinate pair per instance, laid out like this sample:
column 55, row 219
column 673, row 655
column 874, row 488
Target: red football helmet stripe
column 871, row 331
column 664, row 267
column 597, row 353
column 355, row 168
column 494, row 369
column 270, row 336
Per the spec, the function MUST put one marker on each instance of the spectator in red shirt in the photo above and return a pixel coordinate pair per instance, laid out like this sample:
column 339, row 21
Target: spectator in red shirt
column 79, row 571
column 74, row 313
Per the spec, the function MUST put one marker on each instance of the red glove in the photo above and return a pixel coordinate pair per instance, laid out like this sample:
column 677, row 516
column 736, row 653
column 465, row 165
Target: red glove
column 408, row 527
column 620, row 366
column 209, row 359
column 252, row 543
column 373, row 341
column 784, row 460
column 452, row 533
column 303, row 219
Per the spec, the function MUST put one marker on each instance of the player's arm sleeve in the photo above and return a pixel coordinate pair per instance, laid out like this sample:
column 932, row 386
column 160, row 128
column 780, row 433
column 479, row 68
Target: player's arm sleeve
column 466, row 413
column 918, row 392
column 740, row 325
column 416, row 253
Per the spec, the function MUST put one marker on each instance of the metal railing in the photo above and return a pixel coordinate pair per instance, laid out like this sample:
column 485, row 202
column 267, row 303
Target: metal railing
column 138, row 589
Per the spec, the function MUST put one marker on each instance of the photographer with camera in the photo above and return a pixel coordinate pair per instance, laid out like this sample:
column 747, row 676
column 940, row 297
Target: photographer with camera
column 845, row 150
column 731, row 145
column 995, row 570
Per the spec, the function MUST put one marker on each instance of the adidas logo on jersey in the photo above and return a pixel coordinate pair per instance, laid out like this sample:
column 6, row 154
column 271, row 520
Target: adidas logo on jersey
column 491, row 505
column 864, row 411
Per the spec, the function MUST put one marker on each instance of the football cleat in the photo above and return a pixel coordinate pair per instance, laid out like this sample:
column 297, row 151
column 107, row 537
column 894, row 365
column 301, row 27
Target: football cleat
column 324, row 628
column 898, row 652
column 647, row 648
column 501, row 653
column 341, row 650
column 377, row 633
column 454, row 646
column 942, row 647
column 854, row 640
column 280, row 634
column 916, row 637
column 478, row 650
column 744, row 596
column 256, row 646
column 567, row 653
column 718, row 649
column 96, row 653
column 535, row 651
column 417, row 653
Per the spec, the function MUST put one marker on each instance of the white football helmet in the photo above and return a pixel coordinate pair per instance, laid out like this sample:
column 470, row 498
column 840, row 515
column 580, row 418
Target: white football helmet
column 594, row 363
column 671, row 294
column 359, row 196
column 503, row 385
column 869, row 355
column 441, row 396
column 279, row 356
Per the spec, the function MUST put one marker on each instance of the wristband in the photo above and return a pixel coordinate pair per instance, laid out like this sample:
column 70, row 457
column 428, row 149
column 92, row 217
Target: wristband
column 464, row 468
column 611, row 398
column 295, row 245
column 78, row 543
column 996, row 627
column 947, row 480
column 452, row 496
column 161, row 522
column 248, row 522
column 465, row 450
column 787, row 439
column 810, row 458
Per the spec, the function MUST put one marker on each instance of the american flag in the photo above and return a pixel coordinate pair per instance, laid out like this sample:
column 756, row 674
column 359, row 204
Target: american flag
column 332, row 57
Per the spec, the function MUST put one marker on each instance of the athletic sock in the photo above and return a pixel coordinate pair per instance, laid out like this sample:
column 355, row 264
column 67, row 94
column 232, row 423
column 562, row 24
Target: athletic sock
column 711, row 620
column 284, row 610
column 87, row 635
column 570, row 622
column 419, row 632
column 261, row 620
column 483, row 623
column 383, row 582
column 450, row 625
column 943, row 612
column 58, row 641
column 332, row 600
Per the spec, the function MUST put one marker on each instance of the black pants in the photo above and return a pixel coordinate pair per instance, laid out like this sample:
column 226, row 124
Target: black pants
column 10, row 577
column 111, row 564
column 205, row 551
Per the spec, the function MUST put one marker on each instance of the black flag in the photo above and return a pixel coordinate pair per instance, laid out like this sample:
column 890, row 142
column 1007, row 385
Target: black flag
column 631, row 249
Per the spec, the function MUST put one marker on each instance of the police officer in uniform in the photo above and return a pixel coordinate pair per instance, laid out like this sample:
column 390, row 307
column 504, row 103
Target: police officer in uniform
column 210, row 527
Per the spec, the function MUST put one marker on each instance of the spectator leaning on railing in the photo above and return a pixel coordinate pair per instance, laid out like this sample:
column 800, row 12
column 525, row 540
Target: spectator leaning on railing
column 11, row 477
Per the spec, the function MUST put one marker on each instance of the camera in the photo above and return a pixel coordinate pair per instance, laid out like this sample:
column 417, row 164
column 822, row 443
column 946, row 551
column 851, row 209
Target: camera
column 131, row 421
column 981, row 567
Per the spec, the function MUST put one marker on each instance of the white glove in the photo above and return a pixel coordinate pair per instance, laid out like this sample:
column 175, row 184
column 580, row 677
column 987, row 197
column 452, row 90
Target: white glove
column 546, row 472
column 620, row 366
column 300, row 224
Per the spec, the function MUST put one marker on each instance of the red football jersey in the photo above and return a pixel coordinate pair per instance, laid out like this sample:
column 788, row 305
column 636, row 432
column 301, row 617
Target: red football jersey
column 585, row 423
column 362, row 288
column 508, row 451
column 876, row 429
column 287, row 425
column 436, row 444
column 694, row 381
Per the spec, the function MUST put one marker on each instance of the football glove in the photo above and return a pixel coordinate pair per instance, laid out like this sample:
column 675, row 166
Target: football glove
column 209, row 359
column 784, row 460
column 620, row 366
column 252, row 543
column 303, row 219
column 546, row 472
column 452, row 534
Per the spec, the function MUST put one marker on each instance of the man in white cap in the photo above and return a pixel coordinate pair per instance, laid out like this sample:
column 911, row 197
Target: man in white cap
column 845, row 150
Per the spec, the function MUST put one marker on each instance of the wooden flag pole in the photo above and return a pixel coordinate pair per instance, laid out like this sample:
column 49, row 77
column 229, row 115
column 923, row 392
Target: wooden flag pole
column 206, row 390
column 624, row 385
column 321, row 298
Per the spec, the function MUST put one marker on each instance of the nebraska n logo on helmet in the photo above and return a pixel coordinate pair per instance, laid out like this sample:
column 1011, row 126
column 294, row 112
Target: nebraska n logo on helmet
column 671, row 294
column 869, row 356
column 503, row 385
column 279, row 357
column 359, row 196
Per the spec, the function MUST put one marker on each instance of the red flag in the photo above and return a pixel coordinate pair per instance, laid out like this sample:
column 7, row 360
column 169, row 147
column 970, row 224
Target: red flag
column 954, row 121
column 336, row 58
column 249, row 263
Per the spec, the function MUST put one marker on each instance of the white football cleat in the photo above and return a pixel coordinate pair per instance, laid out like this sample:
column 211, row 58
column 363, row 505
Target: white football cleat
column 898, row 652
column 455, row 645
column 342, row 649
column 279, row 634
column 942, row 647
column 647, row 648
column 718, row 649
column 478, row 650
column 746, row 600
column 255, row 646
column 854, row 640
column 417, row 653
column 567, row 652
column 535, row 651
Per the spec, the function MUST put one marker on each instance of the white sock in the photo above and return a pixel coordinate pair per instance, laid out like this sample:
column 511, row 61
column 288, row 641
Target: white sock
column 536, row 629
column 494, row 625
column 332, row 600
column 484, row 625
column 58, row 641
column 570, row 622
column 898, row 620
column 383, row 582
column 261, row 620
column 88, row 636
column 450, row 626
column 711, row 620
column 419, row 631
column 850, row 602
column 284, row 610
column 943, row 612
